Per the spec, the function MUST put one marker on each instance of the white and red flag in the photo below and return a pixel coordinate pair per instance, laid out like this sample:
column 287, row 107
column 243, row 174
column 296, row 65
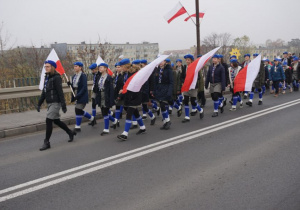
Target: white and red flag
column 193, row 69
column 175, row 12
column 246, row 76
column 53, row 57
column 201, row 15
column 100, row 60
column 136, row 81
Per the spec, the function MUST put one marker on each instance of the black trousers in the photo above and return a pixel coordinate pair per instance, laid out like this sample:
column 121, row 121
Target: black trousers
column 49, row 127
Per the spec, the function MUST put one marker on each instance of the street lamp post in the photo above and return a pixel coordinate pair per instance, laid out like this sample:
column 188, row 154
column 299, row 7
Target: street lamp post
column 197, row 26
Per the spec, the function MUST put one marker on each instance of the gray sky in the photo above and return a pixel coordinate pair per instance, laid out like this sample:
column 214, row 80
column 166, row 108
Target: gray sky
column 119, row 21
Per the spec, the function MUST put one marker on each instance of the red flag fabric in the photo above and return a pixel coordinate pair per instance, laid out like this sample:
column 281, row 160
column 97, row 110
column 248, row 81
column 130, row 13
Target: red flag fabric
column 245, row 78
column 53, row 57
column 175, row 12
column 201, row 15
column 193, row 69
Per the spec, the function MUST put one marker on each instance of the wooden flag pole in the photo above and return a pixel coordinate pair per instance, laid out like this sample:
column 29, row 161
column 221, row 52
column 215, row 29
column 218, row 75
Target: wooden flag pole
column 70, row 86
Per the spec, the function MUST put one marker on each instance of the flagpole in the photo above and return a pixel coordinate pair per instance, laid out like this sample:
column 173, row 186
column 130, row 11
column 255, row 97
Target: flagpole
column 197, row 27
column 70, row 86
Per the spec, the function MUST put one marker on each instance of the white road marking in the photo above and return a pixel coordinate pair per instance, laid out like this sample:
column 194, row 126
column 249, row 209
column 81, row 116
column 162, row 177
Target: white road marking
column 147, row 149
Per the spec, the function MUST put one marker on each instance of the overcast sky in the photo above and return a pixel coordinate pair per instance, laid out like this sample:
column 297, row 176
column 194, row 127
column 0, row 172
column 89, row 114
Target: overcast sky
column 119, row 21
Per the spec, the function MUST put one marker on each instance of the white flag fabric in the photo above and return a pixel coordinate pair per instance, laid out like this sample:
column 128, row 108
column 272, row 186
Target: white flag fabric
column 53, row 57
column 137, row 81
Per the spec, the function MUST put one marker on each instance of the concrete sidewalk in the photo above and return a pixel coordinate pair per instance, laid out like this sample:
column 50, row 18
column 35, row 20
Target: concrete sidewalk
column 32, row 121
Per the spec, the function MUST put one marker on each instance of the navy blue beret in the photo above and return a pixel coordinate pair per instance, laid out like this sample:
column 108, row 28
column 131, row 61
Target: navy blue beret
column 221, row 56
column 168, row 60
column 198, row 56
column 233, row 56
column 247, row 55
column 179, row 60
column 295, row 58
column 117, row 64
column 52, row 63
column 285, row 53
column 233, row 60
column 216, row 56
column 124, row 61
column 137, row 62
column 93, row 66
column 78, row 64
column 103, row 64
column 144, row 61
column 255, row 54
column 189, row 56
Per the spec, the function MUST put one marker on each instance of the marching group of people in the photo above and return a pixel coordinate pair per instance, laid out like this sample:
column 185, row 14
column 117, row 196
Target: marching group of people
column 161, row 93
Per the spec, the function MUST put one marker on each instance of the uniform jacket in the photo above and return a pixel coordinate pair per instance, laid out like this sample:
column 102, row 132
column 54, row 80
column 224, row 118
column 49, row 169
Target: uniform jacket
column 108, row 93
column 82, row 90
column 219, row 76
column 54, row 92
column 277, row 75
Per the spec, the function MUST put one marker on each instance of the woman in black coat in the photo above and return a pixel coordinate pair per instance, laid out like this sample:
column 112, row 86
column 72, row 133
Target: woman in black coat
column 105, row 97
column 54, row 96
column 163, row 91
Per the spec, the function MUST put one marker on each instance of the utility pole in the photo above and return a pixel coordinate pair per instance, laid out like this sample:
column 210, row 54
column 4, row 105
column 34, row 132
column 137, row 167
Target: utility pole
column 197, row 26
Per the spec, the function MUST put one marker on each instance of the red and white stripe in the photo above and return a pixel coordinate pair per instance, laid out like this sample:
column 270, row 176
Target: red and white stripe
column 201, row 15
column 246, row 76
column 53, row 57
column 175, row 12
column 193, row 69
column 136, row 81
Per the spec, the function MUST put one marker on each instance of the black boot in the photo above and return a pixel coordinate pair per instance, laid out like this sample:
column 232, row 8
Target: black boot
column 185, row 120
column 193, row 113
column 93, row 122
column 153, row 121
column 71, row 135
column 133, row 126
column 179, row 112
column 46, row 145
column 215, row 114
column 122, row 137
column 202, row 114
column 249, row 103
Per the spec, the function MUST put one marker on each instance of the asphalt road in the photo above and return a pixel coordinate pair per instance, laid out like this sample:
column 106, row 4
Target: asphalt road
column 247, row 159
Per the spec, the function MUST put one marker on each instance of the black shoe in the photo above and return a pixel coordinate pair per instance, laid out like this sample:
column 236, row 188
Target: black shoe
column 224, row 102
column 260, row 102
column 170, row 111
column 144, row 118
column 93, row 122
column 185, row 120
column 71, row 135
column 134, row 126
column 249, row 103
column 230, row 102
column 222, row 109
column 167, row 125
column 245, row 96
column 215, row 114
column 46, row 145
column 193, row 113
column 104, row 133
column 202, row 105
column 202, row 115
column 153, row 121
column 158, row 111
column 77, row 129
column 114, row 126
column 122, row 137
column 179, row 112
column 141, row 131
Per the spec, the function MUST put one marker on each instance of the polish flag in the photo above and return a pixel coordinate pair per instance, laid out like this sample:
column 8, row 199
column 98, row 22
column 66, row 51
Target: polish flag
column 136, row 81
column 175, row 12
column 193, row 69
column 53, row 57
column 100, row 60
column 246, row 76
column 201, row 15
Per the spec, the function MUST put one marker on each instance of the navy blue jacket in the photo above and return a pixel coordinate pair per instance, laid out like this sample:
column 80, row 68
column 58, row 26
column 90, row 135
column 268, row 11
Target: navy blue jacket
column 219, row 76
column 164, row 91
column 278, row 75
column 108, row 92
column 82, row 90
